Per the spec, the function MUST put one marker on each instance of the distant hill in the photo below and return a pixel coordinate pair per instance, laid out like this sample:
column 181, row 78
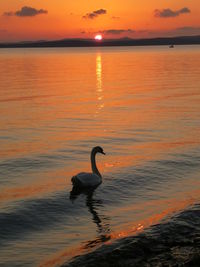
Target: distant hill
column 181, row 40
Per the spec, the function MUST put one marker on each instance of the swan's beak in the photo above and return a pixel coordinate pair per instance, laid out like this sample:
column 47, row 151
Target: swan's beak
column 103, row 153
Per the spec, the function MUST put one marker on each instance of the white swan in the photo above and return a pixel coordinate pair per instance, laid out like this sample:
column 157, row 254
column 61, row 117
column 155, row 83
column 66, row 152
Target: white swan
column 93, row 179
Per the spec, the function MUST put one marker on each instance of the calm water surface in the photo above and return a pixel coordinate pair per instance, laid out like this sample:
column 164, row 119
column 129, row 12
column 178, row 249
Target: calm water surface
column 142, row 105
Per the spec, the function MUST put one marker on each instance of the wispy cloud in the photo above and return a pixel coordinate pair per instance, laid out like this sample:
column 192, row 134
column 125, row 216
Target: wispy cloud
column 114, row 17
column 167, row 13
column 180, row 31
column 26, row 11
column 146, row 33
column 3, row 31
column 117, row 31
column 95, row 14
column 187, row 30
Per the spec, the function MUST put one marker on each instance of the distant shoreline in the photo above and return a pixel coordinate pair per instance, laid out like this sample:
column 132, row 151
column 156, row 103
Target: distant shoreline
column 180, row 40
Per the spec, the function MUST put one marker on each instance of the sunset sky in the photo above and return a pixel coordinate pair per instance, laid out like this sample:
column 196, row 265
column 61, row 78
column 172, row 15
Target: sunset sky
column 50, row 19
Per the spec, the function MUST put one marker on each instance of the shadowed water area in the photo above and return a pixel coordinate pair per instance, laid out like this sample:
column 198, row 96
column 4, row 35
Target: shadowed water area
column 141, row 104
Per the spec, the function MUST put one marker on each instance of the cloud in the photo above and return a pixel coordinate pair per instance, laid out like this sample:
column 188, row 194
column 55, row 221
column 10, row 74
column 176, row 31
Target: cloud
column 26, row 11
column 167, row 13
column 95, row 14
column 117, row 31
column 8, row 14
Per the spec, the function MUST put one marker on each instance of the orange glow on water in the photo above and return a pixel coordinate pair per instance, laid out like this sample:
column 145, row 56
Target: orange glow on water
column 102, row 103
column 63, row 113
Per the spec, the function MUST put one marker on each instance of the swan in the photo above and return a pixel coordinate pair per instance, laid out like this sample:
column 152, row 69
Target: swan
column 85, row 179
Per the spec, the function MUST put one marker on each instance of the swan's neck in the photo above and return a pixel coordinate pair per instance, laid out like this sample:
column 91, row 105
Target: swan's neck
column 93, row 163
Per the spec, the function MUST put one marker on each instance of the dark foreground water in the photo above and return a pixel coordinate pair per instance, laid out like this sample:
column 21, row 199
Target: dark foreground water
column 142, row 105
column 174, row 242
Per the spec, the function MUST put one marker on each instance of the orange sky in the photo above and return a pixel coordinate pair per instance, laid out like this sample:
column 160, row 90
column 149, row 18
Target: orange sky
column 50, row 19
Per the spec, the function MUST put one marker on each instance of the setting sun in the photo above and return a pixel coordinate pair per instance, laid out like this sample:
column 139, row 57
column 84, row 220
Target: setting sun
column 98, row 37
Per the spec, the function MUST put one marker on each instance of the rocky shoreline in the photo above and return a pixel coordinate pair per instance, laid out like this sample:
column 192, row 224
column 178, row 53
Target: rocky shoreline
column 175, row 242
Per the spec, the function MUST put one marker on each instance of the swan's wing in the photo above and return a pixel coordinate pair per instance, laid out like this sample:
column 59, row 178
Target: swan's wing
column 86, row 179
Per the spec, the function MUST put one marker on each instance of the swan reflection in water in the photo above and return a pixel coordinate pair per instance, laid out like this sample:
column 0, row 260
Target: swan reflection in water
column 101, row 221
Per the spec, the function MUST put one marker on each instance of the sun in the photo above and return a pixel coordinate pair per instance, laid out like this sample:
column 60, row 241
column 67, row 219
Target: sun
column 98, row 37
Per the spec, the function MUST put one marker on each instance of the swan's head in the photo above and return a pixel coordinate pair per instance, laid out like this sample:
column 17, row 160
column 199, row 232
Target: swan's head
column 98, row 149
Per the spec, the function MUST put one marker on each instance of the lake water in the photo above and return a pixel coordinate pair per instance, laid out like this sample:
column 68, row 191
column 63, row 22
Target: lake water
column 141, row 104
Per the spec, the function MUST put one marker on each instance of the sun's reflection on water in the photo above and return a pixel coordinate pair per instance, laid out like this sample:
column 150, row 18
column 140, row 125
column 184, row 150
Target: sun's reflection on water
column 99, row 73
column 99, row 89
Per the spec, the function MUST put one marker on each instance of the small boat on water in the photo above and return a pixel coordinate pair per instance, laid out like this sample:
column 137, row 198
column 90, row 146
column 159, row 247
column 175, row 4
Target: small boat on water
column 171, row 46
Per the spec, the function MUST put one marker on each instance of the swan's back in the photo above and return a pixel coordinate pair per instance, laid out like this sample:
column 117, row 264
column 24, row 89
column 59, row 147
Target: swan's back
column 85, row 179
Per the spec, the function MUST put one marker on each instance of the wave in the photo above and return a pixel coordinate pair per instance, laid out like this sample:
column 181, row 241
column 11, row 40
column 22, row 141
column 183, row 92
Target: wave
column 36, row 215
column 126, row 188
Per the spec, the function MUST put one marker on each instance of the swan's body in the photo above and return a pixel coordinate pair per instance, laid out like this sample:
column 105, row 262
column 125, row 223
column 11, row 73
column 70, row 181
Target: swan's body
column 85, row 179
column 93, row 179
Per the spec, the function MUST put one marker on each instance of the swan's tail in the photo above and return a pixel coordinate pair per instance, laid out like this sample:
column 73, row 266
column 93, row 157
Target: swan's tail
column 75, row 182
